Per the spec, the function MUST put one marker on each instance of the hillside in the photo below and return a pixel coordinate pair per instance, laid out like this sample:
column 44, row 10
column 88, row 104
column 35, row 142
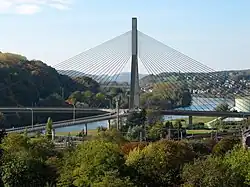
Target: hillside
column 212, row 84
column 120, row 78
column 235, row 75
column 25, row 83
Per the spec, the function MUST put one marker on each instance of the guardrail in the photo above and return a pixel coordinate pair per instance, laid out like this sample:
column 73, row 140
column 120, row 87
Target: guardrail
column 57, row 122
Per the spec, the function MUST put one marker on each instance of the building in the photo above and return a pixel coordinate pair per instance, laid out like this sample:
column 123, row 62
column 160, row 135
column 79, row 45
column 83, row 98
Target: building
column 242, row 104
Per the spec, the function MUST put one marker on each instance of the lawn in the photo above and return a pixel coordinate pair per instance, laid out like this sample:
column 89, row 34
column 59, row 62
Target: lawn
column 199, row 119
column 74, row 133
column 199, row 131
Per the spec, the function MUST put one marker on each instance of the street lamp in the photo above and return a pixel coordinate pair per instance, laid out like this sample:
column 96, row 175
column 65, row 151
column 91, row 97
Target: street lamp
column 74, row 113
column 32, row 117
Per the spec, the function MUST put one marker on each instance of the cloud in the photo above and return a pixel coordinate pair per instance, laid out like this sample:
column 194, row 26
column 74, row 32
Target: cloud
column 32, row 6
column 27, row 9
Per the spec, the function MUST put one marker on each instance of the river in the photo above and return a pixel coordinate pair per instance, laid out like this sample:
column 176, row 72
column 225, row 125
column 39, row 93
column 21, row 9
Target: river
column 198, row 104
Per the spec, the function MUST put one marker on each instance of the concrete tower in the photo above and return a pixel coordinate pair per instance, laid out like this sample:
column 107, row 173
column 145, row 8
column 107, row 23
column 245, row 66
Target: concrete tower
column 134, row 84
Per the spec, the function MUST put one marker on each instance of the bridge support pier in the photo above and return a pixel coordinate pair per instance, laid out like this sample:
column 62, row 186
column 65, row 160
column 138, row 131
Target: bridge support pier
column 86, row 129
column 190, row 120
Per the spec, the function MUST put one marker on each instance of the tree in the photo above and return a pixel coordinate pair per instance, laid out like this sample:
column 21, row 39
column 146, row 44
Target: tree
column 130, row 146
column 100, row 96
column 211, row 172
column 159, row 164
column 22, row 163
column 178, row 126
column 112, row 179
column 238, row 160
column 222, row 107
column 157, row 131
column 49, row 128
column 23, row 170
column 90, row 162
column 225, row 145
column 111, row 135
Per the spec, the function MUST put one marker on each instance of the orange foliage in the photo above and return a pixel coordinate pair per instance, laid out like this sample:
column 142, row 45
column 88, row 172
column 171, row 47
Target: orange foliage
column 126, row 148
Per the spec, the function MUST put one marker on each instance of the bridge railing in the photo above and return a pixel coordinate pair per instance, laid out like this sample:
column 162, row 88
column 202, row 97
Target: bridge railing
column 58, row 122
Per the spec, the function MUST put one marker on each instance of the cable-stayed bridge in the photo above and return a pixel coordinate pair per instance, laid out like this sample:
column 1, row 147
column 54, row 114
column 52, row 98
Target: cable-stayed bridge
column 168, row 71
column 164, row 66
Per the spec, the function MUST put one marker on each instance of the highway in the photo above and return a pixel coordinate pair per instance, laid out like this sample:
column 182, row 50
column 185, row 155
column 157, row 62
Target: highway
column 53, row 109
column 67, row 123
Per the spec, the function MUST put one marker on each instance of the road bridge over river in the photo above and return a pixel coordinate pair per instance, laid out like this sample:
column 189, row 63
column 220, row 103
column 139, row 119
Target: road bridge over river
column 124, row 113
column 162, row 63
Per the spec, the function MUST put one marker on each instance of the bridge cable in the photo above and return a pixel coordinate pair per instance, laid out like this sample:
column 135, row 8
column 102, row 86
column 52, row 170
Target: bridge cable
column 154, row 48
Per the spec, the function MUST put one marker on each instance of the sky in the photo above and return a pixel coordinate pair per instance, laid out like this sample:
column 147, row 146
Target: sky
column 213, row 32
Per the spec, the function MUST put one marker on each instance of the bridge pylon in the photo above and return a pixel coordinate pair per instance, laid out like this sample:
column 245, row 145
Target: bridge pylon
column 134, row 101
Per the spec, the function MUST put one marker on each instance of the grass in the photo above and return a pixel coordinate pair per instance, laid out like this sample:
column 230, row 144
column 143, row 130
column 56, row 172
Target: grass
column 74, row 133
column 198, row 119
column 199, row 131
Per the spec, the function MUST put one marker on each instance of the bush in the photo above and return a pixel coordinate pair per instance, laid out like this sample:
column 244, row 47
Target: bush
column 225, row 145
column 200, row 147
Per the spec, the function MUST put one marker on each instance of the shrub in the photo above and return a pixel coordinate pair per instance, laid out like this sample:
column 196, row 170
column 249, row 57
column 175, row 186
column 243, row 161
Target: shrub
column 225, row 145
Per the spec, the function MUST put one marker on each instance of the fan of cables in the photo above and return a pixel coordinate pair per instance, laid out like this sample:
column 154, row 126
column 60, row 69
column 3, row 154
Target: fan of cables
column 163, row 62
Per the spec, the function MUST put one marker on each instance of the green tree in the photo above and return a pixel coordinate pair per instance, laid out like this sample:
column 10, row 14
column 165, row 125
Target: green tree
column 225, row 145
column 238, row 160
column 90, row 162
column 49, row 128
column 111, row 135
column 211, row 172
column 222, row 107
column 159, row 164
column 100, row 96
column 22, row 163
column 112, row 179
column 157, row 131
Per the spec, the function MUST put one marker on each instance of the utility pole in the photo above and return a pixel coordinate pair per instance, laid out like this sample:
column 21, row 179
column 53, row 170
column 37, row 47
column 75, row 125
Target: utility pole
column 117, row 110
